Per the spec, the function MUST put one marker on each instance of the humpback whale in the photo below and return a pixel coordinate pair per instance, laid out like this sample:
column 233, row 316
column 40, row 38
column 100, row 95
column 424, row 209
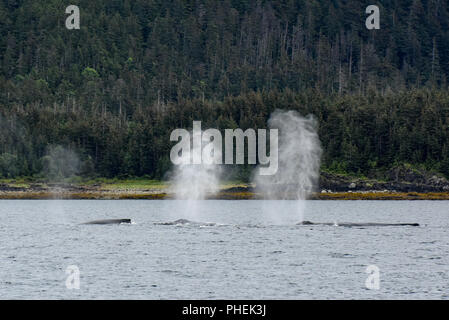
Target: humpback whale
column 350, row 224
column 185, row 222
column 109, row 221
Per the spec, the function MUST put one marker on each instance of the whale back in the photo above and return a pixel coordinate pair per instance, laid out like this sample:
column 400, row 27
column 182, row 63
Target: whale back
column 351, row 224
column 109, row 221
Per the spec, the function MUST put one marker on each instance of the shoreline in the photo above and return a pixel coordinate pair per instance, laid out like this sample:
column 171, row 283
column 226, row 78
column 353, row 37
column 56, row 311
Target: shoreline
column 145, row 189
column 222, row 195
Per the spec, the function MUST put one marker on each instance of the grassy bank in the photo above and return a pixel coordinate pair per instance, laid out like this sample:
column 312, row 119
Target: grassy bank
column 220, row 196
column 154, row 189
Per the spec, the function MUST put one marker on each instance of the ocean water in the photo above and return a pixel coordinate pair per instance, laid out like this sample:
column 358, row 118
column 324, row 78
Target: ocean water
column 254, row 250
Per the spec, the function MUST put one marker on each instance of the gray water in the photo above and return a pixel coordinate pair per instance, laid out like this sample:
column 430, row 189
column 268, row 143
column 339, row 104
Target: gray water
column 251, row 253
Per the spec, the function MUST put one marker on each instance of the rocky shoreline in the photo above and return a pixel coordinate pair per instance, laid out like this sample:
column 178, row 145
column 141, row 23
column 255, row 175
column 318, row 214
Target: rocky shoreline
column 234, row 193
column 222, row 195
column 400, row 183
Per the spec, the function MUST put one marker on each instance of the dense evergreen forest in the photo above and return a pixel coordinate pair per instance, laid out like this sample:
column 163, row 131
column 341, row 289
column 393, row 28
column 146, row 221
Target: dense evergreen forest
column 104, row 99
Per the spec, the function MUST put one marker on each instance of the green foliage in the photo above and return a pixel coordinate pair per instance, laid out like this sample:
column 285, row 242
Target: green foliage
column 112, row 91
column 90, row 74
column 8, row 165
column 359, row 134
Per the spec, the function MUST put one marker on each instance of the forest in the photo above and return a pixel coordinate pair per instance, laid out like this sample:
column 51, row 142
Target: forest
column 102, row 100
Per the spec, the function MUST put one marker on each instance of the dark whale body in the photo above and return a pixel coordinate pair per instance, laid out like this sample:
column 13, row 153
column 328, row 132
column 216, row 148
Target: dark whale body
column 172, row 223
column 109, row 221
column 350, row 224
column 185, row 222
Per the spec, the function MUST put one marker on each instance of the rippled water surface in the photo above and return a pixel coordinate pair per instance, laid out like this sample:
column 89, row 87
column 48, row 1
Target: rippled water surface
column 253, row 251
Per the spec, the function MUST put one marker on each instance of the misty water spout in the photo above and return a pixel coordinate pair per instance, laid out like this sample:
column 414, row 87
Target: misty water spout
column 299, row 163
column 194, row 180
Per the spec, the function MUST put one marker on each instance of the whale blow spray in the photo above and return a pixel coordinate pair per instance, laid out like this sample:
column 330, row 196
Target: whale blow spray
column 299, row 165
column 192, row 181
